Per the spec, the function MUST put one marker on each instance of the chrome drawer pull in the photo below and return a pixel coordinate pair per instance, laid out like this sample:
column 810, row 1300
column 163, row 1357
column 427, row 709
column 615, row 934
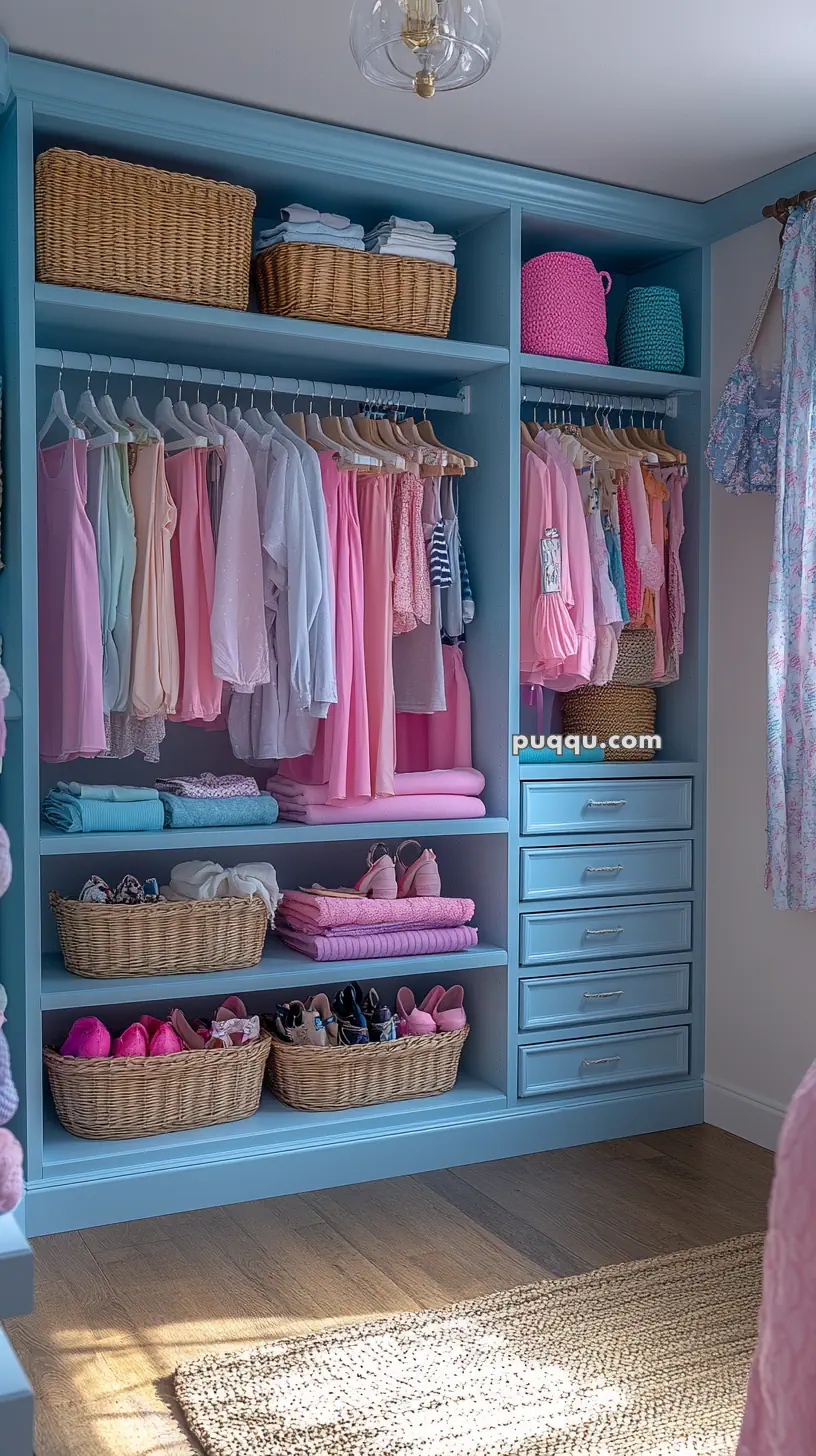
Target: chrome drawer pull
column 606, row 803
column 603, row 869
column 613, row 930
column 598, row 1061
column 601, row 995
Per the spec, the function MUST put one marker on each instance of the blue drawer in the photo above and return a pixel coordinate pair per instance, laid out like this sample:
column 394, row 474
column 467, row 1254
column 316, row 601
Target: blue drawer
column 602, row 996
column 592, row 1062
column 606, row 869
column 591, row 805
column 623, row 930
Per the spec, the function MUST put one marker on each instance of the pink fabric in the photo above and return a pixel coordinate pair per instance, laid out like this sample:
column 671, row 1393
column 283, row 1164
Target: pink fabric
column 576, row 670
column 240, row 647
column 341, row 760
column 72, row 722
column 412, row 577
column 780, row 1414
column 193, row 555
column 374, row 504
column 563, row 307
column 333, row 912
column 631, row 572
column 412, row 806
column 674, row 615
column 546, row 626
column 439, row 740
column 649, row 559
column 435, row 781
column 362, row 946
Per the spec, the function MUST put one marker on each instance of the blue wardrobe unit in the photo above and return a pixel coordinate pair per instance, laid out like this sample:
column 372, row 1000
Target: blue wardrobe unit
column 586, row 992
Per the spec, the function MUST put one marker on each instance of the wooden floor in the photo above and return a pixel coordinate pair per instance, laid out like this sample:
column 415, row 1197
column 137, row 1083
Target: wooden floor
column 119, row 1307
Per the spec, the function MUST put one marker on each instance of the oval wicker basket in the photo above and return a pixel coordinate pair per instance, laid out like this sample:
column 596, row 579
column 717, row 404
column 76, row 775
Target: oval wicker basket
column 171, row 937
column 124, row 228
column 612, row 709
column 367, row 290
column 636, row 658
column 330, row 1079
column 131, row 1097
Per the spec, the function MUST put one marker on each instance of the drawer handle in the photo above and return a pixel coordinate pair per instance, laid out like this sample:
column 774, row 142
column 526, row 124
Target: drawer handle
column 601, row 995
column 606, row 803
column 613, row 930
column 603, row 869
column 598, row 1061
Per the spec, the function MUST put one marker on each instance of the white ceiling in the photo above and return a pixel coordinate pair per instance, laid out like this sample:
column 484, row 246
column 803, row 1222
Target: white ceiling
column 689, row 99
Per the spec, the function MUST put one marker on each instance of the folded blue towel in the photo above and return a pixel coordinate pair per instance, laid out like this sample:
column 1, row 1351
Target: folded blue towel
column 312, row 232
column 246, row 809
column 99, row 816
column 112, row 793
column 549, row 755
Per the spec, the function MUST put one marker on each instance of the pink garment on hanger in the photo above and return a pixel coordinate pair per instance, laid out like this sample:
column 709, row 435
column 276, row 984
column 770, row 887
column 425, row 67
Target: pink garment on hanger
column 341, row 759
column 780, row 1413
column 658, row 528
column 631, row 573
column 649, row 559
column 72, row 722
column 412, row 578
column 546, row 627
column 240, row 646
column 193, row 558
column 675, row 479
column 374, row 505
column 154, row 664
column 439, row 740
column 576, row 670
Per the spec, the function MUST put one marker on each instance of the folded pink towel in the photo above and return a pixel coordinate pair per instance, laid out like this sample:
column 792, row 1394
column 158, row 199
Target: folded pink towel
column 324, row 912
column 368, row 946
column 466, row 781
column 413, row 806
column 306, row 927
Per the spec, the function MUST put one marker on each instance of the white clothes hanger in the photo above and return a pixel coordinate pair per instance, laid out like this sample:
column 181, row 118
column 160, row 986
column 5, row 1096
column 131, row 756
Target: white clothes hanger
column 218, row 411
column 132, row 413
column 169, row 424
column 107, row 409
column 197, row 416
column 87, row 411
column 58, row 413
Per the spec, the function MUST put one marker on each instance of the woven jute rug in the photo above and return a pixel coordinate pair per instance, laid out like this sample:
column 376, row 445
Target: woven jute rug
column 647, row 1359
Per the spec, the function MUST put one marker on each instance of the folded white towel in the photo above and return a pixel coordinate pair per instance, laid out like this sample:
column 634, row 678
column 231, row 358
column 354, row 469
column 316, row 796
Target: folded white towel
column 297, row 212
column 408, row 225
column 292, row 233
column 313, row 231
column 203, row 879
column 420, row 240
column 409, row 250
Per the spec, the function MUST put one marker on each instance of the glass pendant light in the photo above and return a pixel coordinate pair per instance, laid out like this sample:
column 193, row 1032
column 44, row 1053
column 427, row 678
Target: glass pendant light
column 425, row 45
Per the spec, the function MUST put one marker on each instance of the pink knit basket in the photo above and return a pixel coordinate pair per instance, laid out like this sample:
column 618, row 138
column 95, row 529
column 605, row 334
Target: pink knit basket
column 563, row 307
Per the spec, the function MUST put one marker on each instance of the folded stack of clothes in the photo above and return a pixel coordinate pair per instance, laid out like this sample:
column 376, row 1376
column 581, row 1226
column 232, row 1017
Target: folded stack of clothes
column 401, row 237
column 443, row 793
column 102, row 809
column 306, row 225
column 212, row 802
column 352, row 927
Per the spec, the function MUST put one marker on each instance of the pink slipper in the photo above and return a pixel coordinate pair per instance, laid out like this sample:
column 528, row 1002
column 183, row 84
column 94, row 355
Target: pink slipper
column 165, row 1042
column 151, row 1024
column 88, row 1037
column 430, row 1002
column 132, row 1042
column 412, row 1020
column 449, row 1010
column 421, row 878
column 380, row 879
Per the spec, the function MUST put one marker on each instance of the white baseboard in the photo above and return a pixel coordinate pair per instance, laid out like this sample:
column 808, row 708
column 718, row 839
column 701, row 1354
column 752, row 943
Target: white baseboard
column 742, row 1113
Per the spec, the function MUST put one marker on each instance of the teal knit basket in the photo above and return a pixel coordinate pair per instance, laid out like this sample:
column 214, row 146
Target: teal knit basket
column 650, row 332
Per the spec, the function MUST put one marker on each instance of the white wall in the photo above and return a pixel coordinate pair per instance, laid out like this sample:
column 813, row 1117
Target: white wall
column 761, row 962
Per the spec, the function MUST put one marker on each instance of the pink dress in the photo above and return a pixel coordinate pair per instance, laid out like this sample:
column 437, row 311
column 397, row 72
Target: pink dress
column 546, row 628
column 577, row 669
column 412, row 578
column 374, row 505
column 72, row 722
column 780, row 1414
column 193, row 557
column 631, row 571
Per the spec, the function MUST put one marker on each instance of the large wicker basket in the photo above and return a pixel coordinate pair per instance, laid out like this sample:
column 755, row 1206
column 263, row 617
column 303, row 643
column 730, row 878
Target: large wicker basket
column 173, row 936
column 124, row 228
column 131, row 1097
column 612, row 709
column 330, row 1079
column 341, row 286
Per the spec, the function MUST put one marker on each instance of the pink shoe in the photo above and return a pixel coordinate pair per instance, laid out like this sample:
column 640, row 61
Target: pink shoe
column 194, row 1040
column 151, row 1024
column 449, row 1010
column 165, row 1042
column 412, row 1020
column 132, row 1042
column 380, row 879
column 421, row 878
column 88, row 1037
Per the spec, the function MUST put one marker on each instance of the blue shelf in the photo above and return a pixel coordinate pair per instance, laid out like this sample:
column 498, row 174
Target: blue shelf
column 82, row 319
column 604, row 378
column 54, row 842
column 568, row 768
column 16, row 1270
column 278, row 969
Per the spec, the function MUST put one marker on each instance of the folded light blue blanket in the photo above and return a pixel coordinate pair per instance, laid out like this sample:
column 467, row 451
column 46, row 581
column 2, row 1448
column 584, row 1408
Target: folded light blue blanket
column 246, row 809
column 100, row 816
column 111, row 793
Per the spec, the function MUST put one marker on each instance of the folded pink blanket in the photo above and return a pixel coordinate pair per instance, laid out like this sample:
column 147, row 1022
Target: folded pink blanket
column 325, row 912
column 305, row 927
column 413, row 806
column 466, row 781
column 366, row 946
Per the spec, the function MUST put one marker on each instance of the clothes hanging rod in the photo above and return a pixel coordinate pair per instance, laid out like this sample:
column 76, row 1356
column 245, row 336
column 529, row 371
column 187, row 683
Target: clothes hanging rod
column 70, row 361
column 582, row 399
column 784, row 205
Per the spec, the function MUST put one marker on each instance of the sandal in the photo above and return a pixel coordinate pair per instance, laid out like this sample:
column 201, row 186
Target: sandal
column 420, row 878
column 380, row 879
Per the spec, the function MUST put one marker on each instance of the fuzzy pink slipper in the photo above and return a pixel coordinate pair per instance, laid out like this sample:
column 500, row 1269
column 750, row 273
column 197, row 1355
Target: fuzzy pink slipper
column 132, row 1042
column 151, row 1024
column 165, row 1042
column 88, row 1037
column 11, row 1171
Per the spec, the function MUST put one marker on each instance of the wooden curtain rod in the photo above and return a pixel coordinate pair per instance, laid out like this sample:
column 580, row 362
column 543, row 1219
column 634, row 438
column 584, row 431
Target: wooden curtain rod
column 783, row 205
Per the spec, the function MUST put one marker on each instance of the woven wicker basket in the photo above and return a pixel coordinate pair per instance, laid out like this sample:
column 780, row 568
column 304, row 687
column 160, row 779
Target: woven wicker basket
column 330, row 1079
column 129, row 229
column 131, row 1097
column 612, row 709
column 636, row 658
column 106, row 941
column 340, row 286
